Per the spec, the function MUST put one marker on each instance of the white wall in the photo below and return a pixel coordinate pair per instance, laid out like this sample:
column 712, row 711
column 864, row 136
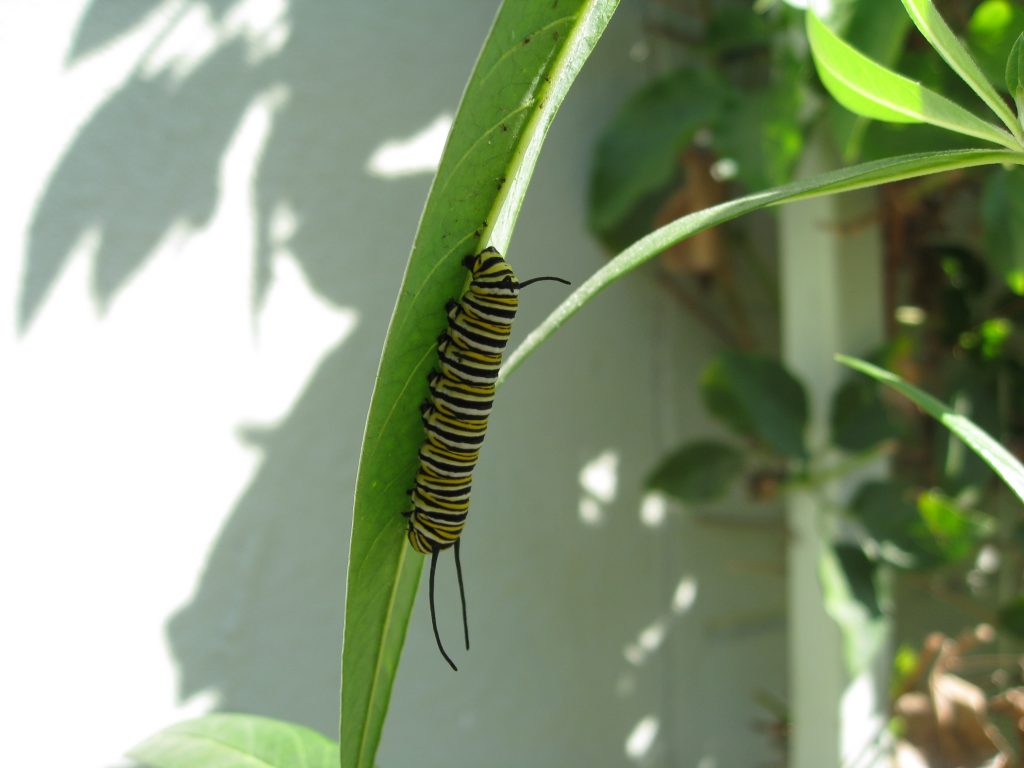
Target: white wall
column 198, row 272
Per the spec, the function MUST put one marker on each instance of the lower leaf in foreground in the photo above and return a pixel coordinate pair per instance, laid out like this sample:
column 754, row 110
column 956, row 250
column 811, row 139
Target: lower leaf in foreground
column 236, row 741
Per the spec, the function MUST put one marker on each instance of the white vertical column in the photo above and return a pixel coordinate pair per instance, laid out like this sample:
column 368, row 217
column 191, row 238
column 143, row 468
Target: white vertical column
column 832, row 300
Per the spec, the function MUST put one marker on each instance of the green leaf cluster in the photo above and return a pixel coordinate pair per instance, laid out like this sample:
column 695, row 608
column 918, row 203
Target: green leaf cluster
column 918, row 530
column 923, row 530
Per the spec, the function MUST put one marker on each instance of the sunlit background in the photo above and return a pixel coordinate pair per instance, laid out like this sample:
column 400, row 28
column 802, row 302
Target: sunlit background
column 207, row 209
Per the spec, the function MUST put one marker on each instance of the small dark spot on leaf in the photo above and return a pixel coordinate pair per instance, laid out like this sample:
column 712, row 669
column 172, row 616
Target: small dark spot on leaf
column 526, row 40
column 554, row 35
column 504, row 127
column 477, row 233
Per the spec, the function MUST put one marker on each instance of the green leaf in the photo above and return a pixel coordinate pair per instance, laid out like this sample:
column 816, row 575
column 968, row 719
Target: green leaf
column 1015, row 74
column 637, row 157
column 888, row 511
column 236, row 741
column 855, row 177
column 904, row 664
column 991, row 31
column 954, row 533
column 989, row 339
column 532, row 54
column 755, row 395
column 871, row 90
column 722, row 401
column 935, row 30
column 915, row 530
column 972, row 393
column 1010, row 617
column 858, row 417
column 994, row 334
column 854, row 598
column 874, row 30
column 699, row 471
column 858, row 83
column 979, row 441
column 1002, row 217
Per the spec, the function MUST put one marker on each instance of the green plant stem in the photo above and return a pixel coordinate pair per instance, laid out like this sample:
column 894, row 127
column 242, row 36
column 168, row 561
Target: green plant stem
column 847, row 179
column 816, row 479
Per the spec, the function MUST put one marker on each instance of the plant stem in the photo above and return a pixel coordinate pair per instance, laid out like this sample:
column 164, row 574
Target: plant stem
column 816, row 479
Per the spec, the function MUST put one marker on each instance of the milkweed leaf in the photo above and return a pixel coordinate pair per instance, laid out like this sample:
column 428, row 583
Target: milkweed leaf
column 699, row 471
column 528, row 62
column 636, row 157
column 755, row 395
column 855, row 177
column 857, row 599
column 857, row 419
column 930, row 23
column 1004, row 463
column 236, row 741
column 869, row 89
column 872, row 28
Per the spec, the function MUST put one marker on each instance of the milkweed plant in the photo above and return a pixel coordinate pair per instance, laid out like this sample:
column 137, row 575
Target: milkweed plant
column 534, row 52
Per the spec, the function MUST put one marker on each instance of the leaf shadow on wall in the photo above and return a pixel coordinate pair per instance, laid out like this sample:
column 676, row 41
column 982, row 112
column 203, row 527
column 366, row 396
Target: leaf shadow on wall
column 263, row 628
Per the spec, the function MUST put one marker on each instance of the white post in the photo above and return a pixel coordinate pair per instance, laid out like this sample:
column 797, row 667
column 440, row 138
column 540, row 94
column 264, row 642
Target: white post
column 832, row 302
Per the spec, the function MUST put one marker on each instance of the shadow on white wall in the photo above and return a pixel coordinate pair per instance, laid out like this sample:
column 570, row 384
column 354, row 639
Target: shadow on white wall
column 243, row 202
column 242, row 154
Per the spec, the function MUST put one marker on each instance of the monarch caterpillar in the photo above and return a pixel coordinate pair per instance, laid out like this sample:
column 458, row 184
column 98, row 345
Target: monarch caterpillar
column 455, row 414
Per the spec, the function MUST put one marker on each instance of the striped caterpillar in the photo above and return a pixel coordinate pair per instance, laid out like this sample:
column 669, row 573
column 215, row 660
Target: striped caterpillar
column 455, row 415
